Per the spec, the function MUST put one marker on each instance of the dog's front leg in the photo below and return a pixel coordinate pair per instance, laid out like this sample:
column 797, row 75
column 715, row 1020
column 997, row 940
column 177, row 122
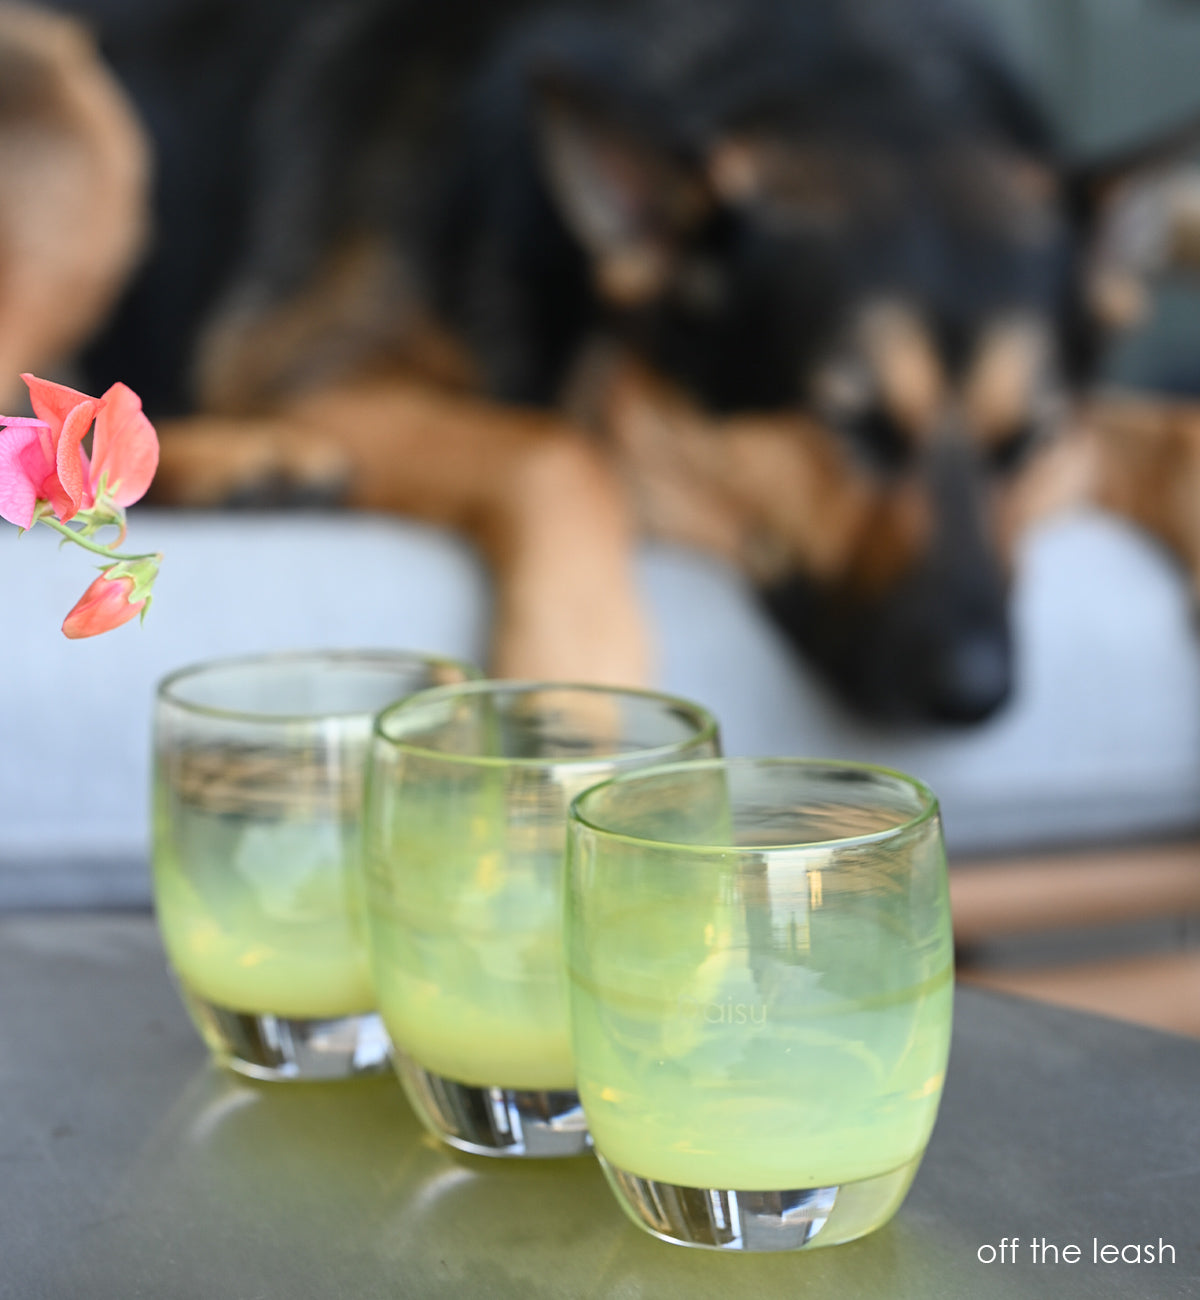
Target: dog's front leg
column 1148, row 470
column 545, row 506
column 560, row 538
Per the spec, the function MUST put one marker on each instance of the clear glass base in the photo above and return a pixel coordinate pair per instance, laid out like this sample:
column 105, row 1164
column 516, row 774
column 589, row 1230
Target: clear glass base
column 753, row 1221
column 265, row 1046
column 495, row 1121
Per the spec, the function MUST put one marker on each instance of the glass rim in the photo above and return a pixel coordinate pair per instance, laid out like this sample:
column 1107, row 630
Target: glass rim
column 166, row 690
column 706, row 733
column 928, row 811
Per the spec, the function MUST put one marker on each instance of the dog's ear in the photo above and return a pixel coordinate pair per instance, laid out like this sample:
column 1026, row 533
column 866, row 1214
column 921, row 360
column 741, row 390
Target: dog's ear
column 1140, row 211
column 629, row 196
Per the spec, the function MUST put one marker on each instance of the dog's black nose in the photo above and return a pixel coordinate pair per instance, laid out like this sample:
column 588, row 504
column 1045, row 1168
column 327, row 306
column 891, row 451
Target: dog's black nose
column 970, row 678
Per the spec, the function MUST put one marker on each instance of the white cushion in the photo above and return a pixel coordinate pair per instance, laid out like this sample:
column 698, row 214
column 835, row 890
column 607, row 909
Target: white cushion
column 1102, row 740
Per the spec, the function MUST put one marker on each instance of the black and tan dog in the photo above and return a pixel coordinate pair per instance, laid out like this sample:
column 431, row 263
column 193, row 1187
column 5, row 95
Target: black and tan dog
column 804, row 283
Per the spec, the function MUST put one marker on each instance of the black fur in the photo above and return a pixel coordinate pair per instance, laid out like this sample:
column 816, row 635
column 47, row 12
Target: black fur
column 424, row 121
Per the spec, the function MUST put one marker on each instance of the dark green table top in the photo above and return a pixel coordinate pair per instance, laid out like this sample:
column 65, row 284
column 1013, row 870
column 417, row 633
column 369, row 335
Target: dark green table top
column 131, row 1168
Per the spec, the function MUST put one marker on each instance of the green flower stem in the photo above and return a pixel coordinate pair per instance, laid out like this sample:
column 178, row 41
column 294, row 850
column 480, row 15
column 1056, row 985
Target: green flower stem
column 71, row 535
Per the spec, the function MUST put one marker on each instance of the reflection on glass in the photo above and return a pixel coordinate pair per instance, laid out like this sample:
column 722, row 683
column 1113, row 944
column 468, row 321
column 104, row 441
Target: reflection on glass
column 466, row 821
column 258, row 786
column 765, row 1010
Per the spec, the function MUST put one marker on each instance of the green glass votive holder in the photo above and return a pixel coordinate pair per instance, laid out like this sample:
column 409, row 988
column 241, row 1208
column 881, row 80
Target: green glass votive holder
column 257, row 829
column 761, row 973
column 467, row 799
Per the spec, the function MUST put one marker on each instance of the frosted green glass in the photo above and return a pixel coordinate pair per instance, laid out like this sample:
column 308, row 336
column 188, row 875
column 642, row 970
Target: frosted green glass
column 466, row 823
column 760, row 967
column 258, row 787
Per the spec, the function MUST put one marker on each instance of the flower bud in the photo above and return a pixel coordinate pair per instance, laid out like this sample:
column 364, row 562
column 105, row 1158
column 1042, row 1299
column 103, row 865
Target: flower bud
column 119, row 594
column 102, row 607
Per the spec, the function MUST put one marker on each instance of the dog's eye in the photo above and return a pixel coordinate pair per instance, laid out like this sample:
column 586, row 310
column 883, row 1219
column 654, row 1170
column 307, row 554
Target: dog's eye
column 881, row 439
column 1011, row 452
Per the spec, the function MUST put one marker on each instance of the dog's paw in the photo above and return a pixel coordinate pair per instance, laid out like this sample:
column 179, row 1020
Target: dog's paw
column 247, row 464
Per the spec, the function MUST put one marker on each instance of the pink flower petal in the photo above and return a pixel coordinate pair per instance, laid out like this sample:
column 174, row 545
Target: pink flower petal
column 22, row 422
column 125, row 446
column 23, row 467
column 52, row 402
column 69, row 465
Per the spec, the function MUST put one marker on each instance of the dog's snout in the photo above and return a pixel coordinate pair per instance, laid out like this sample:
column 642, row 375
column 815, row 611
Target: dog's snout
column 970, row 678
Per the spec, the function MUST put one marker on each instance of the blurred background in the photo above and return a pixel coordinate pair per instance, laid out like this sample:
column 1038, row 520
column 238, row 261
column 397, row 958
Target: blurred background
column 1073, row 818
column 1112, row 74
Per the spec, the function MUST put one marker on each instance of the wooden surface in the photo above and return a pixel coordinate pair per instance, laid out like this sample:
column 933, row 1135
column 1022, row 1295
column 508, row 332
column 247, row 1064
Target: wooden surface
column 1001, row 899
column 1023, row 895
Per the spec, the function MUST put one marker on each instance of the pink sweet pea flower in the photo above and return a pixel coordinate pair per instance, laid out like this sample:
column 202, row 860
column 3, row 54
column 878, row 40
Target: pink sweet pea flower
column 125, row 446
column 41, row 462
column 67, row 416
column 47, row 477
column 105, row 605
column 44, row 460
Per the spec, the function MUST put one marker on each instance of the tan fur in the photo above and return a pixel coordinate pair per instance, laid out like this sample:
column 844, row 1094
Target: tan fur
column 75, row 166
column 543, row 503
column 765, row 493
column 776, row 494
column 209, row 462
column 810, row 186
column 1002, row 385
column 1148, row 469
column 903, row 357
column 353, row 313
column 771, row 495
column 890, row 539
column 1061, row 477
